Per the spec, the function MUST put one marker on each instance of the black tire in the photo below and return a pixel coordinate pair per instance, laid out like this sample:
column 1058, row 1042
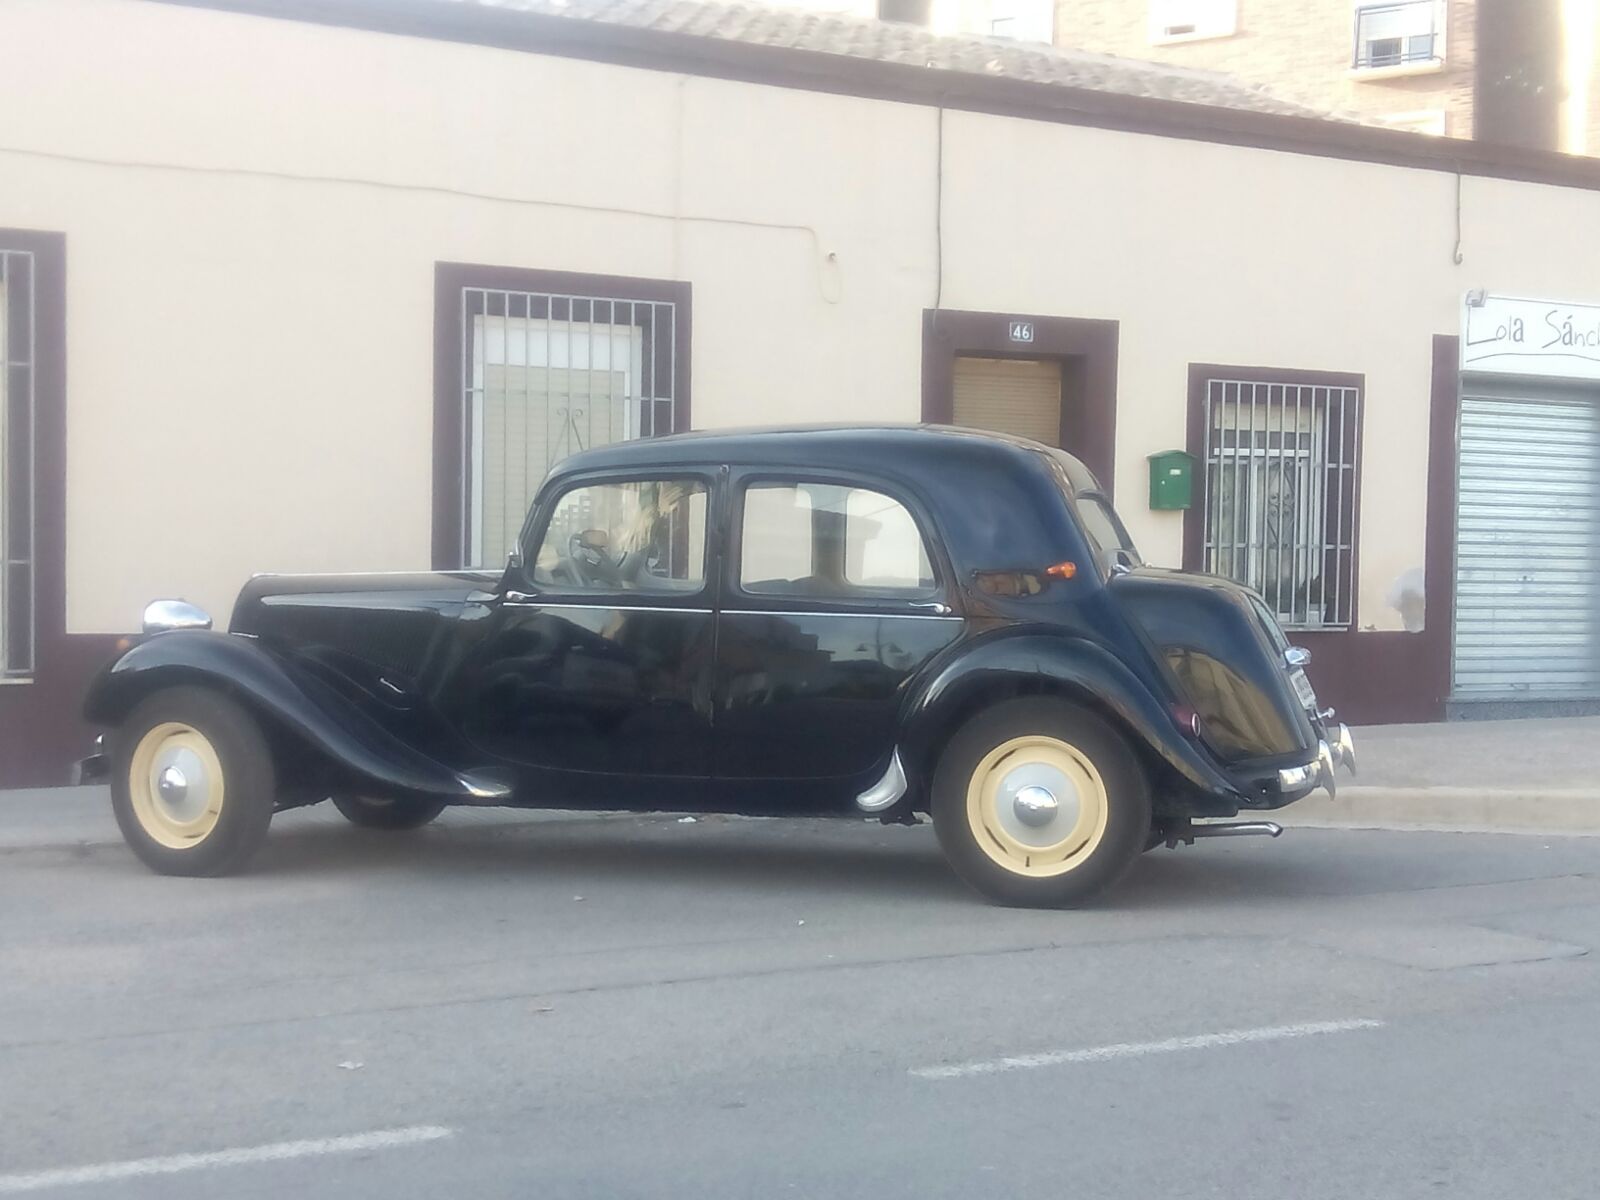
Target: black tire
column 182, row 725
column 377, row 812
column 1098, row 838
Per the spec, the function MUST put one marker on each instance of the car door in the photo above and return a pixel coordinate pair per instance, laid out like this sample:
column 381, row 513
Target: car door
column 833, row 597
column 598, row 656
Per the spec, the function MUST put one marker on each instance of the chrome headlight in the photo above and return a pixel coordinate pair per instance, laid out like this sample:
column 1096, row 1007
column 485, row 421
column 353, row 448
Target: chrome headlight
column 163, row 615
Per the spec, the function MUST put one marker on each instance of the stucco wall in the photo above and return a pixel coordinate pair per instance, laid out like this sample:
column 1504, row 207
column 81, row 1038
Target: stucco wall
column 251, row 247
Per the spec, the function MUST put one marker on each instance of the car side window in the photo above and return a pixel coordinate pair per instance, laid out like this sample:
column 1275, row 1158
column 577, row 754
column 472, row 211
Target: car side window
column 830, row 541
column 646, row 536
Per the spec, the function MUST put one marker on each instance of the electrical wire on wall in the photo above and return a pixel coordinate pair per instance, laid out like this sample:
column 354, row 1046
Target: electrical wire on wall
column 826, row 262
column 938, row 213
column 1457, row 255
column 938, row 219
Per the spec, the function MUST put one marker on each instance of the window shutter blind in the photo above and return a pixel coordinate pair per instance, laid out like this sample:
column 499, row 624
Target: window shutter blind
column 1016, row 396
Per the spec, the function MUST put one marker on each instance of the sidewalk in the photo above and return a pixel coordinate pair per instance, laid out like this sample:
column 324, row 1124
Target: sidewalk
column 79, row 818
column 1508, row 776
column 1522, row 776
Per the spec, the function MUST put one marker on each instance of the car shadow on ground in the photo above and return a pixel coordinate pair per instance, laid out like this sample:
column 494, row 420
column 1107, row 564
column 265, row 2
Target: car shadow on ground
column 791, row 856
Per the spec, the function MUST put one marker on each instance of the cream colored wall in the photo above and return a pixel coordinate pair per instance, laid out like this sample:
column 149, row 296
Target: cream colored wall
column 250, row 312
column 251, row 321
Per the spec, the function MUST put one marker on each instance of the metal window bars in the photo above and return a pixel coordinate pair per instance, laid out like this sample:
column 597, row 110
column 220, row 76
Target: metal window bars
column 544, row 375
column 1399, row 34
column 1280, row 495
column 18, row 516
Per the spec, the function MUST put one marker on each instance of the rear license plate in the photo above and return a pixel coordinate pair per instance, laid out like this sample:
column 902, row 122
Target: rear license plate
column 1303, row 689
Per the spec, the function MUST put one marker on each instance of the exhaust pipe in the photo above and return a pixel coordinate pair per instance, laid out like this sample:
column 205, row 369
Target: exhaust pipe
column 1186, row 831
column 1238, row 829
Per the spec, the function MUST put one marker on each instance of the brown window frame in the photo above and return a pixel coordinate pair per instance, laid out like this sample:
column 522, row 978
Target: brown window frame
column 32, row 436
column 1342, row 563
column 451, row 541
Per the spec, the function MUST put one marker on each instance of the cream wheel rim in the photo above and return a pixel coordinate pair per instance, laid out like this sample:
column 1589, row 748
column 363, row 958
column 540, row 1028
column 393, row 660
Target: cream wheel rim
column 175, row 783
column 1037, row 806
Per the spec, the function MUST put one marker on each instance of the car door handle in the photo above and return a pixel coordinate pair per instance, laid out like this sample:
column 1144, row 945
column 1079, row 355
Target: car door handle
column 516, row 597
column 937, row 607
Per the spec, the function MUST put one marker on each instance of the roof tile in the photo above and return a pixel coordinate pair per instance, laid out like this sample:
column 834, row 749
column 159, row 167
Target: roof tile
column 884, row 41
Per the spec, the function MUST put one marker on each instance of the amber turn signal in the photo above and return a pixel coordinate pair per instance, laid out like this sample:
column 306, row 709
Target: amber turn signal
column 1062, row 570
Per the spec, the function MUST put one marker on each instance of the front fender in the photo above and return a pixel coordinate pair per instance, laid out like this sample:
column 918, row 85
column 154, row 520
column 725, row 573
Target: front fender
column 1060, row 664
column 292, row 698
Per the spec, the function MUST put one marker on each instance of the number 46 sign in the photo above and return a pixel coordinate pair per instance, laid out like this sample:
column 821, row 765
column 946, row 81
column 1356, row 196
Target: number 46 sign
column 1021, row 331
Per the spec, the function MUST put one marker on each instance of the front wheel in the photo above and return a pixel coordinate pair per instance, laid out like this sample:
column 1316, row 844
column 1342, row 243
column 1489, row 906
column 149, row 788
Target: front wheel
column 1040, row 803
column 192, row 782
column 377, row 812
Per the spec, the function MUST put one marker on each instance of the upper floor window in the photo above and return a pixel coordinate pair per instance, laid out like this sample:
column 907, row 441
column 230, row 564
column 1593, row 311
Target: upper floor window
column 1022, row 20
column 1279, row 501
column 1408, row 34
column 907, row 12
column 1191, row 20
column 18, row 524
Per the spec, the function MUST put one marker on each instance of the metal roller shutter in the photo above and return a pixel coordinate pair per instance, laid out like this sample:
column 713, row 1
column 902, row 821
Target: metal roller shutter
column 1527, row 535
column 1009, row 395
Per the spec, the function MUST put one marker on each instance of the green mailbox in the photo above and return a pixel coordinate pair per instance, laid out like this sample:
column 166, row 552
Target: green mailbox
column 1171, row 479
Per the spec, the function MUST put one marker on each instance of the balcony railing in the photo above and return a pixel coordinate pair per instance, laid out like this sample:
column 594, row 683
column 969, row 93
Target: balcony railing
column 1397, row 35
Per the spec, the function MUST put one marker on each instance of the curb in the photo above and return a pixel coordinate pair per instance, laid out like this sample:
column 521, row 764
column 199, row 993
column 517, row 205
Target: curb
column 83, row 839
column 1450, row 809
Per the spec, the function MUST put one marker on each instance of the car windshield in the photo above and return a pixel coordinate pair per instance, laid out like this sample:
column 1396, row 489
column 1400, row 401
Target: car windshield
column 1105, row 529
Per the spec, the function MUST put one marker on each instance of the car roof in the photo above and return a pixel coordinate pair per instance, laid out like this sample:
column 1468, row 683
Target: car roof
column 997, row 498
column 904, row 450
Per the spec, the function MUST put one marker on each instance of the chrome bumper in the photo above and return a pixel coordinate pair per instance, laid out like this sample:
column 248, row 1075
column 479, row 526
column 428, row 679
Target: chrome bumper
column 94, row 768
column 1335, row 751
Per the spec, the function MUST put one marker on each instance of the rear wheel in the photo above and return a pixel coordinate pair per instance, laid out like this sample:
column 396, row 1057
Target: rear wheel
column 379, row 812
column 1040, row 803
column 192, row 782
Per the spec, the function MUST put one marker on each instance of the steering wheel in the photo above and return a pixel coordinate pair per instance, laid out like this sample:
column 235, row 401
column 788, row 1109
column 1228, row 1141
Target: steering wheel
column 587, row 551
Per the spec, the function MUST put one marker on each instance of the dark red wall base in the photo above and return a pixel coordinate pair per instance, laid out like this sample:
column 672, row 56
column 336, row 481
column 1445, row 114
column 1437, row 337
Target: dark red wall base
column 41, row 730
column 1379, row 678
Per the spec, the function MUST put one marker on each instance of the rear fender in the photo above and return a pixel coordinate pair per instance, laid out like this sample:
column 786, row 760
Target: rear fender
column 1051, row 663
column 293, row 699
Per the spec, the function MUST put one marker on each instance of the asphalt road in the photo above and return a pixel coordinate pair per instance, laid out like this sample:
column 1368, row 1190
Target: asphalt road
column 730, row 1008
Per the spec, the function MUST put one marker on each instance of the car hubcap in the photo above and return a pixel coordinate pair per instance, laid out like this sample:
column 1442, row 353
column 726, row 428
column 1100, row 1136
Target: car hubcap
column 1037, row 806
column 175, row 785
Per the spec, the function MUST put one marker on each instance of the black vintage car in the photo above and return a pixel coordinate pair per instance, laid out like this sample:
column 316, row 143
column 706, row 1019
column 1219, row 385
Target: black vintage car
column 885, row 621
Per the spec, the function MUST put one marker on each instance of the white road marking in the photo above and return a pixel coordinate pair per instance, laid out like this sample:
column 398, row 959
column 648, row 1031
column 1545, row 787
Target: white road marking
column 1055, row 1058
column 383, row 1139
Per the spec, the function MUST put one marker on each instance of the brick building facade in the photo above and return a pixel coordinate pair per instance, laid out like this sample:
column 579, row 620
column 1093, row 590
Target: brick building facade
column 1425, row 65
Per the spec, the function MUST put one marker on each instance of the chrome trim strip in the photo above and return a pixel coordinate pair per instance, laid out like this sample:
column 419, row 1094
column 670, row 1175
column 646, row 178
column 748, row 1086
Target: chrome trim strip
column 476, row 571
column 529, row 602
column 661, row 608
column 887, row 790
column 780, row 612
column 484, row 789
